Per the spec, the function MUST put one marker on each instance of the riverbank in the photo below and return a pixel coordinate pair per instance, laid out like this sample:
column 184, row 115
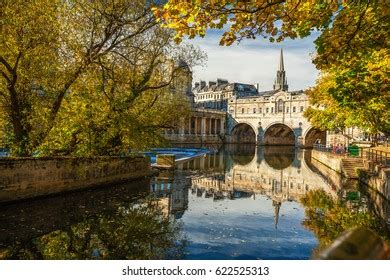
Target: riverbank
column 24, row 178
column 373, row 177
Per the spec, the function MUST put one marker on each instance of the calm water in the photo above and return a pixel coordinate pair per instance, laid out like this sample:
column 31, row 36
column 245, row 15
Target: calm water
column 237, row 203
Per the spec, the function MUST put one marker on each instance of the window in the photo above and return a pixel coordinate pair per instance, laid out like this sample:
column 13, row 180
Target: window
column 260, row 110
column 272, row 110
column 301, row 108
column 267, row 110
column 248, row 110
column 254, row 110
column 294, row 109
column 243, row 110
column 280, row 106
column 286, row 109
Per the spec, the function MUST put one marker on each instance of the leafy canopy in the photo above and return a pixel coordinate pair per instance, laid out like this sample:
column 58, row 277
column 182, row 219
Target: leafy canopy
column 86, row 77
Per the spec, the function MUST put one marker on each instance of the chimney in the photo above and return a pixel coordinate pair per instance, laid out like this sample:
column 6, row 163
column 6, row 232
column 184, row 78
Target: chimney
column 202, row 84
column 196, row 84
column 222, row 82
column 211, row 83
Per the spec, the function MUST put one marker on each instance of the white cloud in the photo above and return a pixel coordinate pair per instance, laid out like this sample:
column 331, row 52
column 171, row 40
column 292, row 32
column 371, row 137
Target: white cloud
column 256, row 61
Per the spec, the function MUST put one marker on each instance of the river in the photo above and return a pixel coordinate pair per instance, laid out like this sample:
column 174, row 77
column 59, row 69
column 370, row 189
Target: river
column 239, row 202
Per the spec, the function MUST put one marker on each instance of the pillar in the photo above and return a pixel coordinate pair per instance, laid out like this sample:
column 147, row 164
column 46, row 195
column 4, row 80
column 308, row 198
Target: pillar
column 218, row 126
column 198, row 126
column 223, row 126
column 203, row 126
column 181, row 127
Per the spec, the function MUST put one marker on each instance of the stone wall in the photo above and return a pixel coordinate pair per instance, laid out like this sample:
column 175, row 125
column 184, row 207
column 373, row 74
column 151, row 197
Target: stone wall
column 331, row 176
column 378, row 188
column 22, row 178
column 330, row 160
column 193, row 139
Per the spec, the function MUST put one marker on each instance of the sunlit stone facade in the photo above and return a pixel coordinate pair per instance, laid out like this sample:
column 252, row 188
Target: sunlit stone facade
column 215, row 95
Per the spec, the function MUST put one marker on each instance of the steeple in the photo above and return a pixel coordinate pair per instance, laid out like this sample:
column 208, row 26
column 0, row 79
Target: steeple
column 281, row 62
column 281, row 80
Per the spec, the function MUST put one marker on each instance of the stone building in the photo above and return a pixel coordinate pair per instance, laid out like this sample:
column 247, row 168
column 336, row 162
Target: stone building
column 182, row 81
column 272, row 117
column 215, row 95
column 203, row 126
column 239, row 113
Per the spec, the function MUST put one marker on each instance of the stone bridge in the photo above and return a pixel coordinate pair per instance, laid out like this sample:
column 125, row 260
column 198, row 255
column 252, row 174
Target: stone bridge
column 272, row 119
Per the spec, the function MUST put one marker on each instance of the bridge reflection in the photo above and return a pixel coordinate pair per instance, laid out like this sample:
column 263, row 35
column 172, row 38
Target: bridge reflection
column 236, row 172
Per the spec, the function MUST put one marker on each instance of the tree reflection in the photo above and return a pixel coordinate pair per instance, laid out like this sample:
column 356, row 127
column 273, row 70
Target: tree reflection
column 327, row 218
column 138, row 231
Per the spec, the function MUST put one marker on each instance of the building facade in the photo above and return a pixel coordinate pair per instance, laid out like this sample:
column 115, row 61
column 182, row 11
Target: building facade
column 203, row 126
column 239, row 113
column 274, row 117
column 215, row 95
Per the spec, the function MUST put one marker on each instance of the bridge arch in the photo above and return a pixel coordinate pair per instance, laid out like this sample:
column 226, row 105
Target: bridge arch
column 314, row 135
column 243, row 133
column 279, row 134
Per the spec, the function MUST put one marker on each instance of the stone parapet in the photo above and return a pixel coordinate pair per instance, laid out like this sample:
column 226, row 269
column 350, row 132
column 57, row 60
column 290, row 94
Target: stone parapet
column 22, row 178
column 330, row 160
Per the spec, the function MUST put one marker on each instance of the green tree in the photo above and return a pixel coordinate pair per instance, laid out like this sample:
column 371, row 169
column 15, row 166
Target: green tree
column 74, row 52
column 353, row 94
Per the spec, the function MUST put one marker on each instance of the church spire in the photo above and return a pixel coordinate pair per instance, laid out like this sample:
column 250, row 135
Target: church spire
column 281, row 80
column 281, row 62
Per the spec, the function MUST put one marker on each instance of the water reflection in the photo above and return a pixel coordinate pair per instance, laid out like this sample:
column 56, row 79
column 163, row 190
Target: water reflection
column 119, row 222
column 241, row 202
column 244, row 203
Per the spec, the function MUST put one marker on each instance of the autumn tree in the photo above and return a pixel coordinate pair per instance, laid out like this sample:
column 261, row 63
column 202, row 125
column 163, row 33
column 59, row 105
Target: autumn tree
column 352, row 49
column 79, row 54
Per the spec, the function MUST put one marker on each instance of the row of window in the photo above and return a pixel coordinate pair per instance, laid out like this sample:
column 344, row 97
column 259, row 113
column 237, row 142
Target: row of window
column 267, row 110
column 212, row 96
column 211, row 105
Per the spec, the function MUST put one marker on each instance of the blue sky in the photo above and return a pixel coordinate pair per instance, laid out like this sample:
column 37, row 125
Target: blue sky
column 256, row 61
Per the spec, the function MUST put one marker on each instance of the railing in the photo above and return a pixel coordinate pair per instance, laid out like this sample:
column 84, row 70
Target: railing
column 373, row 155
column 351, row 151
column 377, row 156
